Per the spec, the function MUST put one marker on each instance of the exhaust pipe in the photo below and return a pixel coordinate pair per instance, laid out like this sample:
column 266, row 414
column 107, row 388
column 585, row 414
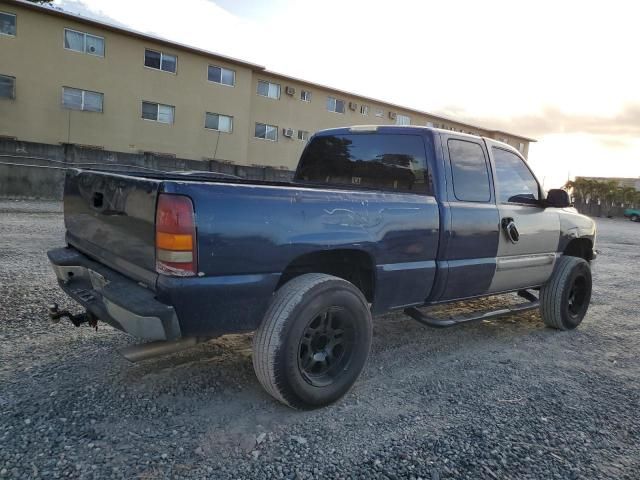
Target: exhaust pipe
column 145, row 351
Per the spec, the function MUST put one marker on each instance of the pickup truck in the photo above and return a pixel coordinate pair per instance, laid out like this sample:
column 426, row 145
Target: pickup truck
column 376, row 219
column 632, row 214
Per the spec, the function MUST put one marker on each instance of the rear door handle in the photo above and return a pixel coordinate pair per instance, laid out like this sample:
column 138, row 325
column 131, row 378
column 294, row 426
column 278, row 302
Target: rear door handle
column 510, row 229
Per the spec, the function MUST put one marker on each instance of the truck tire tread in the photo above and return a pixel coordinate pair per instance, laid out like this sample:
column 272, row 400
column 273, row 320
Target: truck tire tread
column 268, row 338
column 551, row 293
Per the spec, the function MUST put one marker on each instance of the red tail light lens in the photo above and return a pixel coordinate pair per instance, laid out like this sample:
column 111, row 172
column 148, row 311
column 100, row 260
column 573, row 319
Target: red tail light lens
column 175, row 236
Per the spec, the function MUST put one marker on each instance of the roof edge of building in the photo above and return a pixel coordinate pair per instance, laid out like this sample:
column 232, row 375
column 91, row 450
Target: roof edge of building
column 51, row 10
column 253, row 66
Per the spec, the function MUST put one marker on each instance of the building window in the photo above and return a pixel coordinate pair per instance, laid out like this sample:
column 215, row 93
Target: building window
column 335, row 105
column 7, row 86
column 521, row 147
column 305, row 95
column 83, row 42
column 364, row 109
column 379, row 113
column 160, row 61
column 220, row 75
column 215, row 121
column 76, row 99
column 158, row 112
column 303, row 135
column 268, row 89
column 7, row 24
column 267, row 132
column 403, row 120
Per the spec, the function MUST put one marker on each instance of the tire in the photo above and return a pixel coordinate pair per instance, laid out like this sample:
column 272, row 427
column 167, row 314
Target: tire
column 313, row 342
column 635, row 218
column 565, row 298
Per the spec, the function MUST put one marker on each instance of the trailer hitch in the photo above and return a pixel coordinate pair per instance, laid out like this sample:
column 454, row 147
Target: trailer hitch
column 86, row 317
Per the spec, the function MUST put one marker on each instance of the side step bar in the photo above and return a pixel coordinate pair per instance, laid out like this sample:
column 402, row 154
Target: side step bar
column 434, row 322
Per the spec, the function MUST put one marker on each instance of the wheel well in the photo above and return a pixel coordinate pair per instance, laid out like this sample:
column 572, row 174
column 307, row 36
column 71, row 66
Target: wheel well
column 355, row 266
column 580, row 247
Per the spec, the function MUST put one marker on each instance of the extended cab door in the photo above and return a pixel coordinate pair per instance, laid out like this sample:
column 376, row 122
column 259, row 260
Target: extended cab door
column 529, row 233
column 469, row 227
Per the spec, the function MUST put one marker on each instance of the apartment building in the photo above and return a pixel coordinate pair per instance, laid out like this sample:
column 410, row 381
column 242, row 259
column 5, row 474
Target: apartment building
column 66, row 79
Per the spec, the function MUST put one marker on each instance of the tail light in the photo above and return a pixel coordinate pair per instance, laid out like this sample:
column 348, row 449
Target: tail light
column 175, row 236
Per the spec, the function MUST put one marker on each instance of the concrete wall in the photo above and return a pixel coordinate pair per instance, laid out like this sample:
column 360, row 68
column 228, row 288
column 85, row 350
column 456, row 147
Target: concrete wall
column 35, row 170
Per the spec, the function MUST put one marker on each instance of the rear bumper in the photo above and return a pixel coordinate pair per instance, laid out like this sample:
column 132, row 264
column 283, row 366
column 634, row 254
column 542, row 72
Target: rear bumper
column 113, row 298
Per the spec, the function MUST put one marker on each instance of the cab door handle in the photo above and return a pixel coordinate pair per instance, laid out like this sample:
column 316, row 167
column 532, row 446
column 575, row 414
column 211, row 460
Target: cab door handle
column 510, row 229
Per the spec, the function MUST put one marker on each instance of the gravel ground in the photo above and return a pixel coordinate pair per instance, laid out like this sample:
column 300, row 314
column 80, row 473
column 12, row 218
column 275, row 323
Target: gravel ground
column 497, row 400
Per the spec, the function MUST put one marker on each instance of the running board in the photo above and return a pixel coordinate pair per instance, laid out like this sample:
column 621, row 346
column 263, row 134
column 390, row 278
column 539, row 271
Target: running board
column 434, row 322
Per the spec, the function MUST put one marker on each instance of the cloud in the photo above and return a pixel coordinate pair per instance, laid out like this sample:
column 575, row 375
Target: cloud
column 614, row 129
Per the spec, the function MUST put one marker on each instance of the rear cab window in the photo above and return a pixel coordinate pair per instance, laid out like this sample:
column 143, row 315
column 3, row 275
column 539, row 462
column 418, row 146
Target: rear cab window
column 395, row 162
column 469, row 171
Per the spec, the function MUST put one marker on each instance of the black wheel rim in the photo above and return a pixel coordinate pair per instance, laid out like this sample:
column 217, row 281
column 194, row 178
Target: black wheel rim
column 577, row 296
column 326, row 346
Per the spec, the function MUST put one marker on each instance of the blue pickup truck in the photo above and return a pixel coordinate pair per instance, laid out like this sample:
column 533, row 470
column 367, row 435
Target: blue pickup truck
column 376, row 219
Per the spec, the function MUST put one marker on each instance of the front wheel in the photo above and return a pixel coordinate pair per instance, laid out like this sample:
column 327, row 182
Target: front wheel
column 313, row 341
column 635, row 218
column 565, row 298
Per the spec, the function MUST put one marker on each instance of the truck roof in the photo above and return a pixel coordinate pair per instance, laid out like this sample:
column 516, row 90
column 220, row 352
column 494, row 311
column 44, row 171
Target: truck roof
column 406, row 129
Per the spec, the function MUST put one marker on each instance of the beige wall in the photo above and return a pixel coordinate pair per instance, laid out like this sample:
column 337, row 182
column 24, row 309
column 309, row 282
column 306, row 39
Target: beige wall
column 42, row 66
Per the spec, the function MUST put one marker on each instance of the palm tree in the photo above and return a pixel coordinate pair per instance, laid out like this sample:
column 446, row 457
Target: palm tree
column 628, row 194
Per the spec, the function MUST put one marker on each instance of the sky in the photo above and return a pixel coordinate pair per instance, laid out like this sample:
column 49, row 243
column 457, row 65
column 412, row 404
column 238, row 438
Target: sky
column 563, row 72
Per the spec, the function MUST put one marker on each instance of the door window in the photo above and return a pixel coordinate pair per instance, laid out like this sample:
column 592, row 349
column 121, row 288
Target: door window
column 514, row 182
column 469, row 171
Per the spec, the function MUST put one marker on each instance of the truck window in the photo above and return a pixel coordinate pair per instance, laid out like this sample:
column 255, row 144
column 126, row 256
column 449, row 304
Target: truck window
column 469, row 171
column 514, row 182
column 382, row 161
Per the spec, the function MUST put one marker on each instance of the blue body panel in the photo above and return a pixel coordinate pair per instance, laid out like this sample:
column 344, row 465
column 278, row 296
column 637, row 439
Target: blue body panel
column 251, row 233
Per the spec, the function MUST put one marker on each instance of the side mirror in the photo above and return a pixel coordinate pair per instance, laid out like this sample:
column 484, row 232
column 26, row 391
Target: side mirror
column 558, row 198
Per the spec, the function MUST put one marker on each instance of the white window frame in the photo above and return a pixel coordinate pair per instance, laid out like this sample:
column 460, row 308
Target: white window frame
column 221, row 69
column 364, row 110
column 400, row 116
column 273, row 127
column 270, row 84
column 334, row 101
column 158, row 105
column 13, row 91
column 219, row 115
column 82, row 104
column 162, row 55
column 9, row 14
column 305, row 95
column 84, row 43
column 303, row 135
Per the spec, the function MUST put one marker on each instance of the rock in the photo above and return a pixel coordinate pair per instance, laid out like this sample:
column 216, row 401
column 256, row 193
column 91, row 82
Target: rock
column 300, row 440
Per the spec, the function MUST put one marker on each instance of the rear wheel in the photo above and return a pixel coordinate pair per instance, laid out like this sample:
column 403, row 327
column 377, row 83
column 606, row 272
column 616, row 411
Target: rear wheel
column 635, row 218
column 565, row 298
column 313, row 342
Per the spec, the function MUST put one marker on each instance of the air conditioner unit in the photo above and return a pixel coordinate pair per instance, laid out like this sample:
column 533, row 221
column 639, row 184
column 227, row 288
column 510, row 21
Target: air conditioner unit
column 287, row 132
column 353, row 106
column 290, row 91
column 393, row 115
